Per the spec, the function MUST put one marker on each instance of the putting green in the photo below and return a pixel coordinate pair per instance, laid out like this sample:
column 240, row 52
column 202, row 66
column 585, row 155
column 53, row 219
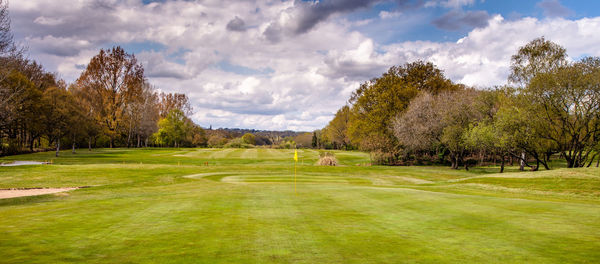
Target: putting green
column 169, row 206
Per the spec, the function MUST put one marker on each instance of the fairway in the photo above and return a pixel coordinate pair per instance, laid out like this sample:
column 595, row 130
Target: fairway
column 239, row 206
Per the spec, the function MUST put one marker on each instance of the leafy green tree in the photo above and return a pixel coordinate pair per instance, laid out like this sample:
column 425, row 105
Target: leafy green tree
column 538, row 56
column 249, row 139
column 172, row 129
column 485, row 136
column 457, row 112
column 556, row 107
column 567, row 103
column 519, row 132
column 337, row 129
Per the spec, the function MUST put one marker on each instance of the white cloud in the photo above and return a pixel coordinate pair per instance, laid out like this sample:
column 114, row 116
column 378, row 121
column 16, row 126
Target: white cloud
column 482, row 58
column 449, row 3
column 300, row 79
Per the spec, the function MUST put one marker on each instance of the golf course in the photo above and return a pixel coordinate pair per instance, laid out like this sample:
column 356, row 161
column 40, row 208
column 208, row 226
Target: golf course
column 246, row 206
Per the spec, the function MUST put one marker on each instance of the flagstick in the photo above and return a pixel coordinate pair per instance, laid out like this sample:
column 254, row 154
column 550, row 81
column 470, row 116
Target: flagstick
column 295, row 177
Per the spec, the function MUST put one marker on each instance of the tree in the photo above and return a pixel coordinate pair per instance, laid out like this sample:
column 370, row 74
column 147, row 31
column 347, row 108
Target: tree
column 172, row 129
column 337, row 129
column 377, row 102
column 6, row 37
column 567, row 103
column 518, row 132
column 173, row 101
column 538, row 56
column 304, row 140
column 249, row 139
column 420, row 128
column 21, row 111
column 438, row 122
column 198, row 135
column 150, row 115
column 457, row 112
column 112, row 79
column 61, row 110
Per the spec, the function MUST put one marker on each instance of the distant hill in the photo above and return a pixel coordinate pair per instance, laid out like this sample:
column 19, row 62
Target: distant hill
column 266, row 133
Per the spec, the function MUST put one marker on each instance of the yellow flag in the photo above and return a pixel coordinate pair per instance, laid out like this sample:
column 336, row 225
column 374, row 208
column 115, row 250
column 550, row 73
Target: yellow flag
column 295, row 155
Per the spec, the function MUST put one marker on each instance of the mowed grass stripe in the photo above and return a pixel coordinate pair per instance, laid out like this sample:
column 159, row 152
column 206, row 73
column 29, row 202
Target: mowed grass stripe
column 150, row 212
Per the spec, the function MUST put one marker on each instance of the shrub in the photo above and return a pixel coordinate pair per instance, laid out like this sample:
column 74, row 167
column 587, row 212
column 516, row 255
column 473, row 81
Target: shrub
column 249, row 139
column 327, row 159
column 286, row 145
column 237, row 143
column 216, row 141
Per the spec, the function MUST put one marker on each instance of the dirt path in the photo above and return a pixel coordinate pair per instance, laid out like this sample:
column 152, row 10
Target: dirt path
column 11, row 193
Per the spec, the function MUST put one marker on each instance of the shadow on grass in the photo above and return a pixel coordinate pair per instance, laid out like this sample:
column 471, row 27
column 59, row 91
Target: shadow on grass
column 29, row 199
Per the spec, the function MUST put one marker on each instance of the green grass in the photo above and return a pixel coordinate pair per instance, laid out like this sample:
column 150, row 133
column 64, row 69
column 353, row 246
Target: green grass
column 167, row 206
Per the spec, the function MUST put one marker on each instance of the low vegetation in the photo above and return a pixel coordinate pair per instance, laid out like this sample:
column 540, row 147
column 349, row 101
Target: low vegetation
column 327, row 159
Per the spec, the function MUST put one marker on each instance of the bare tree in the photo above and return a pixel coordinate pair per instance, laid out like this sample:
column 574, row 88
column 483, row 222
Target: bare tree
column 6, row 37
column 438, row 123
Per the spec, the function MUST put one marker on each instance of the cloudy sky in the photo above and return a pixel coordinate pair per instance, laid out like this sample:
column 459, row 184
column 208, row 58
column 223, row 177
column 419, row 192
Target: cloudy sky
column 275, row 64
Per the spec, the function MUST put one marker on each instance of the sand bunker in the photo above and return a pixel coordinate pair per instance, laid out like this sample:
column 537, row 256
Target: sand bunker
column 11, row 193
column 21, row 163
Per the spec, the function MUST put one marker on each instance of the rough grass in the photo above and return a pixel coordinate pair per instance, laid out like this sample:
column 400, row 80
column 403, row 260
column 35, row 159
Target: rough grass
column 167, row 206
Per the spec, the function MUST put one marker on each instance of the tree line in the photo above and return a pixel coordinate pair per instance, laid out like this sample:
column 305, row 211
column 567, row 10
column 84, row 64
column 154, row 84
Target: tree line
column 413, row 114
column 111, row 104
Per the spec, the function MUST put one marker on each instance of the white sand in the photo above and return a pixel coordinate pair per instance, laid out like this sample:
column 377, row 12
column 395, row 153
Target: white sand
column 21, row 163
column 11, row 193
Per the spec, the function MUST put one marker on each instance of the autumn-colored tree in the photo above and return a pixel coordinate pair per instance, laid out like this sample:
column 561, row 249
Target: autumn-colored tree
column 62, row 113
column 377, row 102
column 198, row 136
column 304, row 140
column 21, row 113
column 113, row 78
column 374, row 105
column 172, row 101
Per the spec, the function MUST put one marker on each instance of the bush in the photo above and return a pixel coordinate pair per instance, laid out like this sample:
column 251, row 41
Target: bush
column 286, row 145
column 327, row 159
column 238, row 143
column 216, row 141
column 249, row 139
